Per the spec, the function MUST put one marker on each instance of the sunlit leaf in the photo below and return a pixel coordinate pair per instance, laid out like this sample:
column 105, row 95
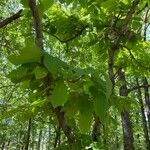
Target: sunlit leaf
column 30, row 53
column 44, row 5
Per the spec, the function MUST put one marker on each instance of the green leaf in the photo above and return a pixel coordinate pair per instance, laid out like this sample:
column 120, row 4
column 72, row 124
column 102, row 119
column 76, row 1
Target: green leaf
column 40, row 72
column 87, row 84
column 59, row 95
column 45, row 5
column 85, row 122
column 54, row 65
column 85, row 107
column 100, row 106
column 37, row 103
column 84, row 104
column 123, row 103
column 52, row 29
column 100, row 102
column 83, row 3
column 25, row 85
column 51, row 64
column 68, row 1
column 148, row 2
column 110, row 5
column 18, row 73
column 108, row 87
column 22, row 73
column 25, row 3
column 35, row 84
column 71, row 106
column 30, row 53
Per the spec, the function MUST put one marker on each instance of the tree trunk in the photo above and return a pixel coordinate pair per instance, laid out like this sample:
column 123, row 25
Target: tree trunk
column 8, row 144
column 127, row 131
column 33, row 136
column 57, row 138
column 66, row 129
column 96, row 130
column 117, row 144
column 147, row 100
column 105, row 136
column 39, row 140
column 18, row 145
column 49, row 135
column 145, row 128
column 138, row 135
column 28, row 135
column 43, row 143
column 3, row 146
column 126, row 123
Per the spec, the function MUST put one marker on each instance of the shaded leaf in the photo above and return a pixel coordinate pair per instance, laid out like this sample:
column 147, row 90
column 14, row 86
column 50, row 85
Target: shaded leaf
column 53, row 64
column 22, row 73
column 59, row 95
column 40, row 72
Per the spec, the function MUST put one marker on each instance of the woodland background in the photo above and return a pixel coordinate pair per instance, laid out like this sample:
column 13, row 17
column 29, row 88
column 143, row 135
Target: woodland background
column 74, row 74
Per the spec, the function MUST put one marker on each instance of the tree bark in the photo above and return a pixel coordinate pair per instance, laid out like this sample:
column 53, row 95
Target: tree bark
column 127, row 131
column 28, row 134
column 3, row 146
column 138, row 135
column 39, row 140
column 33, row 136
column 147, row 100
column 49, row 135
column 57, row 138
column 145, row 128
column 96, row 130
column 8, row 144
column 126, row 122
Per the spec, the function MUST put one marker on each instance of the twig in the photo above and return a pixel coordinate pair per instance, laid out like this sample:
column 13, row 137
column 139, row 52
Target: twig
column 69, row 39
column 132, row 56
column 138, row 87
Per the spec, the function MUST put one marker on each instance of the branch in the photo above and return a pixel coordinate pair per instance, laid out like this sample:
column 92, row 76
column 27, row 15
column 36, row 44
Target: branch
column 132, row 56
column 145, row 23
column 69, row 39
column 11, row 19
column 75, row 80
column 37, row 24
column 64, row 126
column 129, row 15
column 138, row 87
column 146, row 5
